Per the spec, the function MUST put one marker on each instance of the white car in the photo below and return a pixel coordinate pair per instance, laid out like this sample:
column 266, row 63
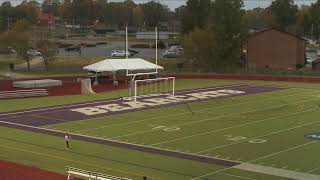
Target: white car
column 33, row 53
column 117, row 53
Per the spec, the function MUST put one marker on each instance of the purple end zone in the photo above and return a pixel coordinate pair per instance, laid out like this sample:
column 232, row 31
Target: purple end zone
column 30, row 120
column 61, row 114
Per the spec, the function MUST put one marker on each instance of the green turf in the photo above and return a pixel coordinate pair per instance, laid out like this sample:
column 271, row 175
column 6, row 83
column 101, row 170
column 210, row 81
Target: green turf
column 265, row 129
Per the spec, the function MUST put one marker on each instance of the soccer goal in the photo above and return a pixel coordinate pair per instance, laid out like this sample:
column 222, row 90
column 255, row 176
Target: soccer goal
column 152, row 87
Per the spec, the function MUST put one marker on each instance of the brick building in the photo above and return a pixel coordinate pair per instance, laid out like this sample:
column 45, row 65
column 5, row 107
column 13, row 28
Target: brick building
column 275, row 49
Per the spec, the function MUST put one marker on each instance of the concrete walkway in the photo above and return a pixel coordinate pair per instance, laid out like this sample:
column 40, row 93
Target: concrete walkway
column 276, row 171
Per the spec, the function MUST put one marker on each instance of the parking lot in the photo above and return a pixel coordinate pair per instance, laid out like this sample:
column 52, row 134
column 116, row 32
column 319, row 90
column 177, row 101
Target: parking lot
column 105, row 50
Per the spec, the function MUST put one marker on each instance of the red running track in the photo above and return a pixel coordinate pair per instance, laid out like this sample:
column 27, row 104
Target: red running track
column 72, row 87
column 13, row 171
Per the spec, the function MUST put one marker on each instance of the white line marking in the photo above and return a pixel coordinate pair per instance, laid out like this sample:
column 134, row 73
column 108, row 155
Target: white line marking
column 202, row 110
column 272, row 133
column 276, row 153
column 313, row 170
column 277, row 171
column 241, row 177
column 94, row 137
column 112, row 100
column 210, row 119
column 231, row 127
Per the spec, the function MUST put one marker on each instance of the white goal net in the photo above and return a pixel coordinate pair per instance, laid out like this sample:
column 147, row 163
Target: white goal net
column 86, row 86
column 152, row 87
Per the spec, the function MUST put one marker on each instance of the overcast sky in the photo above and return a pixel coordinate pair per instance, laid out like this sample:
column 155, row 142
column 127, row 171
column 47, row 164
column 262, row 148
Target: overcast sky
column 249, row 4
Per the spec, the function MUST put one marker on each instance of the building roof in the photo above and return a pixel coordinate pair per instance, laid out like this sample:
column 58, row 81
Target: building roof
column 112, row 65
column 273, row 29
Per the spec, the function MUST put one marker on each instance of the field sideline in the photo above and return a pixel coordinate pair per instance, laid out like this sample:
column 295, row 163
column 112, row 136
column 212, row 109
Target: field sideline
column 264, row 132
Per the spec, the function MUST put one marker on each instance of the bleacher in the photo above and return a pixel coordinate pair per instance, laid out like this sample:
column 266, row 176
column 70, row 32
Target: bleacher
column 23, row 93
column 90, row 175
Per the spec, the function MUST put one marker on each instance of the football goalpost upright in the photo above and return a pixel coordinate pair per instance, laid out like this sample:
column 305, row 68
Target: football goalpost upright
column 151, row 86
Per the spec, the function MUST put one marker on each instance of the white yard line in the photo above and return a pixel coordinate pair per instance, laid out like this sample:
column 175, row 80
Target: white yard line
column 231, row 127
column 257, row 137
column 210, row 119
column 263, row 157
column 104, row 139
column 172, row 115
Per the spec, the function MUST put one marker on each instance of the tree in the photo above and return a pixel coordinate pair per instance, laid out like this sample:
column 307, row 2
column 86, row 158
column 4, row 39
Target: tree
column 179, row 11
column 229, row 31
column 51, row 7
column 66, row 10
column 48, row 51
column 255, row 18
column 31, row 9
column 137, row 16
column 303, row 25
column 189, row 18
column 154, row 13
column 315, row 19
column 18, row 38
column 204, row 13
column 220, row 44
column 284, row 13
column 195, row 14
column 199, row 48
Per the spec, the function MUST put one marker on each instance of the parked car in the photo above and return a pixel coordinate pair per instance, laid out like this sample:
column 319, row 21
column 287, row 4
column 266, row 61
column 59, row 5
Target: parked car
column 73, row 48
column 311, row 55
column 33, row 52
column 133, row 51
column 120, row 53
column 170, row 54
column 173, row 52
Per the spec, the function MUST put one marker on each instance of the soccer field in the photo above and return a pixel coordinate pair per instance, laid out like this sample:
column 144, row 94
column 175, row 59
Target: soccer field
column 263, row 136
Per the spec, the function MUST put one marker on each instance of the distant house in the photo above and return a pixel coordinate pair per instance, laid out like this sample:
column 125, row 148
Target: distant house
column 275, row 49
column 46, row 20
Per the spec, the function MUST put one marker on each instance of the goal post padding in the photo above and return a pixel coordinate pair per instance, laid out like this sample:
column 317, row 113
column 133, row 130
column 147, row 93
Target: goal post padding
column 86, row 87
column 147, row 87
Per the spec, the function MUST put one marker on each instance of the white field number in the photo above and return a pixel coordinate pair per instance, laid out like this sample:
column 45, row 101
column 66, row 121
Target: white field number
column 165, row 128
column 245, row 139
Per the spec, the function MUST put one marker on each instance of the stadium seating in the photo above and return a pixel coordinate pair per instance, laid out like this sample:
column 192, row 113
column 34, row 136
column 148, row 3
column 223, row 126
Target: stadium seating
column 23, row 93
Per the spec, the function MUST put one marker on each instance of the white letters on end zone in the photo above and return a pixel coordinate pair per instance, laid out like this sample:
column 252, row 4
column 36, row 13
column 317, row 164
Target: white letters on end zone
column 90, row 111
column 153, row 101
